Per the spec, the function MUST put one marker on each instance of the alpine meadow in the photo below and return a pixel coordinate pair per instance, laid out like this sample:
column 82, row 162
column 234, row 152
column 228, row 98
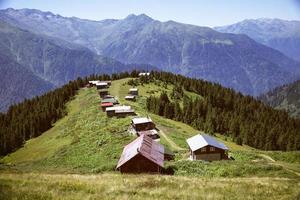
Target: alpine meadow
column 115, row 100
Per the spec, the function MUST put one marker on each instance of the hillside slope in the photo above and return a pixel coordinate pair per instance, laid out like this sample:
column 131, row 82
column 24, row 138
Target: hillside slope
column 235, row 61
column 86, row 141
column 282, row 35
column 286, row 97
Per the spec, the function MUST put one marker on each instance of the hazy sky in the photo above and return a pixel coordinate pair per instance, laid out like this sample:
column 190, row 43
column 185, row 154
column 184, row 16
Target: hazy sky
column 200, row 12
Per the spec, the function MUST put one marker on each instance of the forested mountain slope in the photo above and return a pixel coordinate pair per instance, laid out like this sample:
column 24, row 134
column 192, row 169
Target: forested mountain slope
column 18, row 83
column 286, row 97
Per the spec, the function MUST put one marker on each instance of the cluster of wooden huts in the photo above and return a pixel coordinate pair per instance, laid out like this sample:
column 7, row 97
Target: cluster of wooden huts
column 145, row 154
column 109, row 103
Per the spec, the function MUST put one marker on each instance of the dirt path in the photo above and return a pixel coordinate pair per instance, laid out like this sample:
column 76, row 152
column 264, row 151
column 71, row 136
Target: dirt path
column 171, row 142
column 267, row 157
column 278, row 164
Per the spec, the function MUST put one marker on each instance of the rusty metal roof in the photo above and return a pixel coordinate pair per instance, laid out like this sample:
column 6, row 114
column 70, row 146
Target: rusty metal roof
column 146, row 147
column 106, row 104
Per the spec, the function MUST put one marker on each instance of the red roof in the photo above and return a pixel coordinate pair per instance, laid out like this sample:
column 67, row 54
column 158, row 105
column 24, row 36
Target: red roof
column 144, row 146
column 107, row 104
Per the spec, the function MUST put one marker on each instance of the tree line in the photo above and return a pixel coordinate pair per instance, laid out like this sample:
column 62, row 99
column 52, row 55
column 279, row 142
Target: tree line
column 222, row 110
column 32, row 117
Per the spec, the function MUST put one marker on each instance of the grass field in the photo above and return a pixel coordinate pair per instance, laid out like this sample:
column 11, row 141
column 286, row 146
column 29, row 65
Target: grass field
column 116, row 186
column 87, row 144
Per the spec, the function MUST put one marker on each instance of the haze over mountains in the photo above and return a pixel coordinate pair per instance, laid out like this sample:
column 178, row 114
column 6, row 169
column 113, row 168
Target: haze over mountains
column 282, row 35
column 57, row 49
column 32, row 64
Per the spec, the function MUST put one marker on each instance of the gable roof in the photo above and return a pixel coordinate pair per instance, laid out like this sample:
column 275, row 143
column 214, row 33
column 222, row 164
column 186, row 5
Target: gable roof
column 93, row 82
column 198, row 141
column 146, row 147
column 141, row 120
column 101, row 83
column 118, row 108
column 133, row 89
column 144, row 74
column 107, row 104
column 129, row 97
column 109, row 100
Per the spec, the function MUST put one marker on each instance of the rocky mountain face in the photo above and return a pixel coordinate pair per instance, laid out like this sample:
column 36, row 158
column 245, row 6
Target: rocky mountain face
column 286, row 97
column 32, row 64
column 233, row 60
column 279, row 34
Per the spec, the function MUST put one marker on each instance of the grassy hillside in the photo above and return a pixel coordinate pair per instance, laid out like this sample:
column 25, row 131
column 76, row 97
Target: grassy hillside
column 86, row 142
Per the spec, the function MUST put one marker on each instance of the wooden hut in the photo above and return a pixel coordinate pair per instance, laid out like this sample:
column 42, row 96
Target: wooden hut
column 130, row 97
column 111, row 111
column 101, row 85
column 110, row 100
column 124, row 113
column 143, row 155
column 93, row 83
column 144, row 74
column 103, row 92
column 107, row 96
column 134, row 91
column 151, row 133
column 204, row 147
column 142, row 124
column 108, row 83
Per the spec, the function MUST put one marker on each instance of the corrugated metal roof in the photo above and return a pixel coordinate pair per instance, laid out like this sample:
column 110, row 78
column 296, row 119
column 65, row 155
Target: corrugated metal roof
column 144, row 74
column 106, row 104
column 118, row 108
column 198, row 141
column 109, row 100
column 146, row 147
column 101, row 83
column 133, row 89
column 125, row 111
column 141, row 120
column 129, row 97
column 93, row 82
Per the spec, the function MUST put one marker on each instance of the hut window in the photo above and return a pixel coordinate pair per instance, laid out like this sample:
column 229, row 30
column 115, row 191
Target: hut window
column 212, row 148
column 203, row 149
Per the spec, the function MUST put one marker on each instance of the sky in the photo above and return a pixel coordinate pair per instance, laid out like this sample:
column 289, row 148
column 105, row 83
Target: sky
column 199, row 12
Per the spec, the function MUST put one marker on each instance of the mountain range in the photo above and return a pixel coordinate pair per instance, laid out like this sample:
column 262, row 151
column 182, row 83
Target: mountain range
column 283, row 35
column 32, row 64
column 57, row 49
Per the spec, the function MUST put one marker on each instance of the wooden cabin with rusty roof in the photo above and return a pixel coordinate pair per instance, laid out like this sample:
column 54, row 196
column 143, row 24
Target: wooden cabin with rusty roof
column 143, row 155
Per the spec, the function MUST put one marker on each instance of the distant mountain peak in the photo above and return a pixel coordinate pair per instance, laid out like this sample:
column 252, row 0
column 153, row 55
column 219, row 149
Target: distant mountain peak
column 29, row 12
column 140, row 17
